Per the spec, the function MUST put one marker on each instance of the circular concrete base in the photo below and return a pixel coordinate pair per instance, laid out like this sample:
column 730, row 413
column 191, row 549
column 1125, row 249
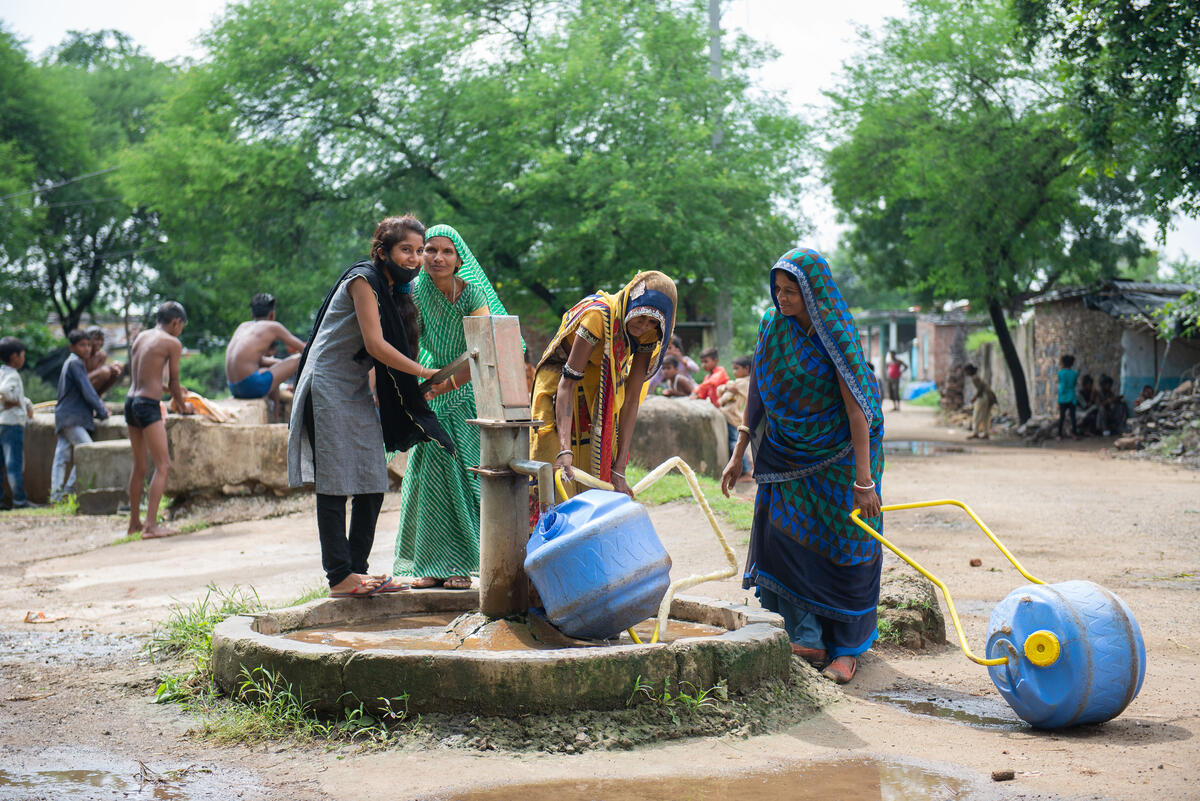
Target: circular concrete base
column 754, row 648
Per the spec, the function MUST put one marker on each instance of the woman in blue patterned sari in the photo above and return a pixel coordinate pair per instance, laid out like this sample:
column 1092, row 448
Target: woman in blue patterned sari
column 814, row 416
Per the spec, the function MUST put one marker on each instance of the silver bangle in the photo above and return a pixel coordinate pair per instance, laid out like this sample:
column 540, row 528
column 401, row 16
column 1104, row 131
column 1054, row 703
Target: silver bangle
column 617, row 473
column 564, row 450
column 858, row 486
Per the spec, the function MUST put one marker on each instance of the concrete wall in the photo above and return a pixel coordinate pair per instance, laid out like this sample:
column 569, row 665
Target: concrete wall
column 40, row 441
column 1146, row 359
column 692, row 429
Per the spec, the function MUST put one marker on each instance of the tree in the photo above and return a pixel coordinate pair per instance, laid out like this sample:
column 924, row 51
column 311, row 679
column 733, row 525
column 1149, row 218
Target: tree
column 570, row 142
column 953, row 168
column 84, row 240
column 1131, row 74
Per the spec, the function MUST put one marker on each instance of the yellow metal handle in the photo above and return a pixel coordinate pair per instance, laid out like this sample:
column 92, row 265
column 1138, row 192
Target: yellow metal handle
column 962, row 639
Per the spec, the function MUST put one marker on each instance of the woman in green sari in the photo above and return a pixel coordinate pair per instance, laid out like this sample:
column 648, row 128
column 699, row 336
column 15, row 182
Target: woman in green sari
column 438, row 541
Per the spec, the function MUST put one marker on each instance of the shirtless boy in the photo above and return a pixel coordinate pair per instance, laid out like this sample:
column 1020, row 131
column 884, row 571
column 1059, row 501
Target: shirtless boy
column 249, row 371
column 152, row 351
column 104, row 376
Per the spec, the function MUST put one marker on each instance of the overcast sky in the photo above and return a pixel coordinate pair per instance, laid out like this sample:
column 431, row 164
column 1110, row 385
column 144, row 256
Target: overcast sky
column 813, row 40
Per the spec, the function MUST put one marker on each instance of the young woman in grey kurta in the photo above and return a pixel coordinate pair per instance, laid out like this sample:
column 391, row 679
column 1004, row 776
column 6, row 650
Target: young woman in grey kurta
column 338, row 439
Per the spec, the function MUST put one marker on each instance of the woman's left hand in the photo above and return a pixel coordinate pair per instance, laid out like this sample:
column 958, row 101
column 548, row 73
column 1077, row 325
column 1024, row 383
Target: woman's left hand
column 868, row 501
column 621, row 485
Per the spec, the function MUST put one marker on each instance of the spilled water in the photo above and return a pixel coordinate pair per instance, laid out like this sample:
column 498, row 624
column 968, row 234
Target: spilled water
column 439, row 632
column 84, row 784
column 982, row 712
column 920, row 447
column 843, row 780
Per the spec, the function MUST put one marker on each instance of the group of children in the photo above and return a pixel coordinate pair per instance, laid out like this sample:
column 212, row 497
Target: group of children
column 674, row 380
column 85, row 376
column 1092, row 409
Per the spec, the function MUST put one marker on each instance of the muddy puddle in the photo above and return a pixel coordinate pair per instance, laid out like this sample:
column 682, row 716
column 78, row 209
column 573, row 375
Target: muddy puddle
column 982, row 712
column 446, row 632
column 920, row 447
column 64, row 647
column 843, row 780
column 92, row 775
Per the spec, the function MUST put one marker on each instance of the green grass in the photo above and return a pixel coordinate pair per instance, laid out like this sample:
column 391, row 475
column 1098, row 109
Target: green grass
column 738, row 512
column 931, row 399
column 67, row 507
column 264, row 706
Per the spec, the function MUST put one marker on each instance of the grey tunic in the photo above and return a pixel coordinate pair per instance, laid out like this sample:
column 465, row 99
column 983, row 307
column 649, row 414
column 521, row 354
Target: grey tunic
column 349, row 457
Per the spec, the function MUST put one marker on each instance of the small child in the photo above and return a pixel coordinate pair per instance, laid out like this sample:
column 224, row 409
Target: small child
column 714, row 380
column 675, row 384
column 1066, row 394
column 733, row 397
column 75, row 414
column 17, row 409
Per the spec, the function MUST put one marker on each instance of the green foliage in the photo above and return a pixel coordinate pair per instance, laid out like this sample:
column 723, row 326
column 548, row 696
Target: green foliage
column 887, row 630
column 977, row 339
column 932, row 400
column 952, row 166
column 688, row 702
column 738, row 512
column 578, row 152
column 1131, row 74
column 204, row 373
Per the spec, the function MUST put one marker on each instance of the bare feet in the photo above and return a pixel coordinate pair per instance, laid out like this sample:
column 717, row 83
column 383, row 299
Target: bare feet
column 154, row 531
column 425, row 582
column 134, row 527
column 457, row 583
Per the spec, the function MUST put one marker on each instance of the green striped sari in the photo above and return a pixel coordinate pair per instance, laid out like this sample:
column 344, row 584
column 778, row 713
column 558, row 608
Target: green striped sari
column 439, row 498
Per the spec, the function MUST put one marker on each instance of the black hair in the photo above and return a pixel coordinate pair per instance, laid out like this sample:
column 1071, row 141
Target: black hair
column 1106, row 380
column 390, row 231
column 970, row 369
column 709, row 353
column 9, row 347
column 94, row 331
column 261, row 305
column 676, row 341
column 744, row 361
column 1068, row 360
column 169, row 312
column 1086, row 379
column 671, row 361
column 75, row 336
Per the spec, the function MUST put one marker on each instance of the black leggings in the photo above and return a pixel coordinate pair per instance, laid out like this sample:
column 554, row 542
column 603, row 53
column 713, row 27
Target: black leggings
column 342, row 555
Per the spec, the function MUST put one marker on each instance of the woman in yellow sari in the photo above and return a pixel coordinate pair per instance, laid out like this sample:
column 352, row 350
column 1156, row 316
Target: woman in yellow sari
column 589, row 382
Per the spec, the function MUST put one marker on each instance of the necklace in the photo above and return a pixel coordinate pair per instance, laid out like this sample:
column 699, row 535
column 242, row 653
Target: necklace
column 455, row 291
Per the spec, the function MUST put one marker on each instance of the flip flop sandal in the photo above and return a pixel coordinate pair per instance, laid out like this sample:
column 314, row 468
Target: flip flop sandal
column 361, row 591
column 838, row 672
column 390, row 586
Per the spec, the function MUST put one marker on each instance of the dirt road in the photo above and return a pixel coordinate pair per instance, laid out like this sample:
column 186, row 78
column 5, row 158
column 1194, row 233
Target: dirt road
column 75, row 711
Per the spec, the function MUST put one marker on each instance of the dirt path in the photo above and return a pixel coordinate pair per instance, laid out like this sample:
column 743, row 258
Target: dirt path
column 73, row 696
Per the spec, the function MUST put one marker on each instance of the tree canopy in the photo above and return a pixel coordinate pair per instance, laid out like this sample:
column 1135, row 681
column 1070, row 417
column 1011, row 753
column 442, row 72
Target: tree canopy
column 569, row 142
column 1131, row 72
column 953, row 167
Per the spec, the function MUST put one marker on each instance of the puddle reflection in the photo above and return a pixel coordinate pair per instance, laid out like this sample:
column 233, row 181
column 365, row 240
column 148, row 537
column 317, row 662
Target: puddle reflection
column 844, row 780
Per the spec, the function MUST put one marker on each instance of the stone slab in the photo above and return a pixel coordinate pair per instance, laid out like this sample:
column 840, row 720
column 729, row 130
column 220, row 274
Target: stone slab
column 692, row 429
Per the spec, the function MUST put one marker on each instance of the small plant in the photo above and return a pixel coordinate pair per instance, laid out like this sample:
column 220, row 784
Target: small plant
column 67, row 506
column 690, row 702
column 887, row 630
column 193, row 526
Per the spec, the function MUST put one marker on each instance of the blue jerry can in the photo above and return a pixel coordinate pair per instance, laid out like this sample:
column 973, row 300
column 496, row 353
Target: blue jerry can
column 1075, row 653
column 598, row 565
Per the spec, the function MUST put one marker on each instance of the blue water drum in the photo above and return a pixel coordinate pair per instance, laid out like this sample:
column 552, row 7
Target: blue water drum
column 1075, row 653
column 598, row 565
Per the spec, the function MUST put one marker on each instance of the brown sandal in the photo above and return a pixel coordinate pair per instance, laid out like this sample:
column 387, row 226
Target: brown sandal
column 841, row 670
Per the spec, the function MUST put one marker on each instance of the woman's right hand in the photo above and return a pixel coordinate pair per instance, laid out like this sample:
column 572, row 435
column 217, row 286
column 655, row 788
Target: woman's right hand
column 731, row 474
column 565, row 461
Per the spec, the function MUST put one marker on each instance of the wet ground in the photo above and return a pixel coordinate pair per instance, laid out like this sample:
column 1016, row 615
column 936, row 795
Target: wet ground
column 77, row 718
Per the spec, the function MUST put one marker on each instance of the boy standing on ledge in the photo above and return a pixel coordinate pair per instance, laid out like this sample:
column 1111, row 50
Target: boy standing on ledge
column 151, row 352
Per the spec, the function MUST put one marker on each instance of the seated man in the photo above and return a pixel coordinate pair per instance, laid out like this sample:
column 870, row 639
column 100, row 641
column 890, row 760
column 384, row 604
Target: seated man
column 1112, row 409
column 101, row 374
column 249, row 370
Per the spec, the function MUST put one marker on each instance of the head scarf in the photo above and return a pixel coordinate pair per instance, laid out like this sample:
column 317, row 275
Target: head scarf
column 799, row 391
column 470, row 271
column 650, row 293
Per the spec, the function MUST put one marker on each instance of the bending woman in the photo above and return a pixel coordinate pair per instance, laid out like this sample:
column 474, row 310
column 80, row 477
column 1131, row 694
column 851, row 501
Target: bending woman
column 814, row 414
column 438, row 540
column 588, row 384
column 337, row 440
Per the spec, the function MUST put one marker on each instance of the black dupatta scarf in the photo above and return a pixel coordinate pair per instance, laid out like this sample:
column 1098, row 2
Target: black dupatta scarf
column 405, row 416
